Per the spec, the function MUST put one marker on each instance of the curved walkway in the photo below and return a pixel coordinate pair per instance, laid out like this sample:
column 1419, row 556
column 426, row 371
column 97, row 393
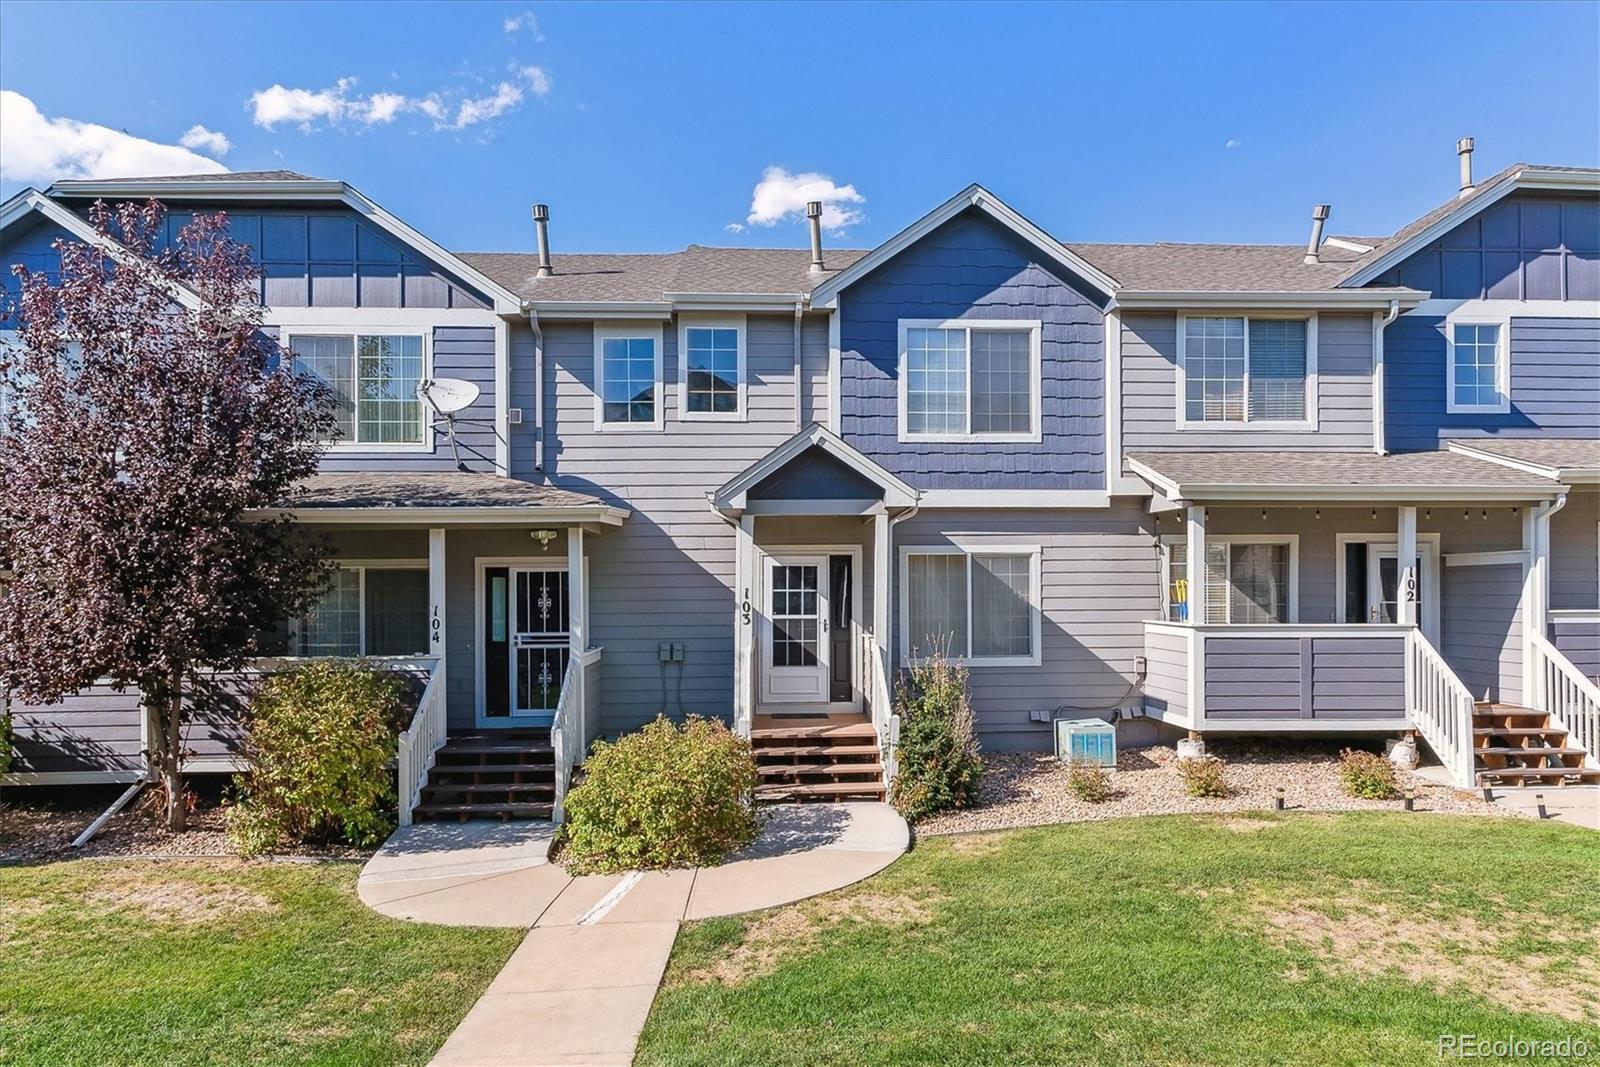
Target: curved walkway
column 579, row 987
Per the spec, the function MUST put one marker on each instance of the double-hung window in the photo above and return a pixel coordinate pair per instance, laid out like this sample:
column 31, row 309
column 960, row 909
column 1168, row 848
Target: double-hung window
column 628, row 387
column 374, row 379
column 1478, row 367
column 1249, row 581
column 969, row 380
column 1247, row 370
column 369, row 610
column 977, row 605
column 711, row 369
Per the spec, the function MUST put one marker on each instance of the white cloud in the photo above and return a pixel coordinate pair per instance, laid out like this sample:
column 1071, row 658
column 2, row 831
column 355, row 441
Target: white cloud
column 481, row 109
column 734, row 227
column 208, row 141
column 383, row 107
column 1232, row 142
column 538, row 79
column 780, row 195
column 41, row 150
column 526, row 21
column 304, row 107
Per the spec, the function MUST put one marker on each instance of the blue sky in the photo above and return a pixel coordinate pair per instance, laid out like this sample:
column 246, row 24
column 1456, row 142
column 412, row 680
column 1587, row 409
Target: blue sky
column 648, row 127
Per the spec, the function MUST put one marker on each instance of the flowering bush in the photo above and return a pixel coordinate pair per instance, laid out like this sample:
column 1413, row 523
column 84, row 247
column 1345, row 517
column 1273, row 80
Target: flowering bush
column 1367, row 775
column 938, row 752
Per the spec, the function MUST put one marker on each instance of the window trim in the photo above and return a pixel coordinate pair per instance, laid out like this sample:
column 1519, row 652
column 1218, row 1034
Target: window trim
column 736, row 323
column 1035, row 554
column 628, row 331
column 1035, row 328
column 361, row 567
column 1290, row 539
column 1247, row 425
column 355, row 333
column 1502, row 363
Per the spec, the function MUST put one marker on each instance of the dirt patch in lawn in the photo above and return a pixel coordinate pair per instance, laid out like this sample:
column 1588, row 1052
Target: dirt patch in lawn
column 793, row 931
column 177, row 901
column 1361, row 934
column 979, row 844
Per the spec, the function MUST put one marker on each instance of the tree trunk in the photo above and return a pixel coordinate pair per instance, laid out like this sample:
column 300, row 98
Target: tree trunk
column 166, row 736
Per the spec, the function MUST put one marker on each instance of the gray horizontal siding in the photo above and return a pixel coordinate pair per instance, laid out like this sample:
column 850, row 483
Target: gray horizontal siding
column 1575, row 552
column 1579, row 641
column 1555, row 382
column 971, row 268
column 1483, row 642
column 96, row 729
column 1338, row 679
column 1100, row 585
column 1150, row 390
column 667, row 573
column 1166, row 686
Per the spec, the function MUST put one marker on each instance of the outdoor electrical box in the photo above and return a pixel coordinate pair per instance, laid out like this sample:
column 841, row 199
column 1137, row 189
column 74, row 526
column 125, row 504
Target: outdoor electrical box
column 1094, row 740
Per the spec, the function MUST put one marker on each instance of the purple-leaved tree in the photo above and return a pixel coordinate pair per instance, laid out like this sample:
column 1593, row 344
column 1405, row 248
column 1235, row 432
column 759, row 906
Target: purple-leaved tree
column 146, row 422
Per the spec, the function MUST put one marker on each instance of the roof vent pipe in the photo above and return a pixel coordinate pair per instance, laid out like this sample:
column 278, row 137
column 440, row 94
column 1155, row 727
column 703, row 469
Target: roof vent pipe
column 1319, row 215
column 814, row 213
column 541, row 222
column 1464, row 152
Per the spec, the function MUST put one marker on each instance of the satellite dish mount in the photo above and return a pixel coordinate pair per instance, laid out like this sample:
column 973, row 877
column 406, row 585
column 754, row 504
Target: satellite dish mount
column 448, row 397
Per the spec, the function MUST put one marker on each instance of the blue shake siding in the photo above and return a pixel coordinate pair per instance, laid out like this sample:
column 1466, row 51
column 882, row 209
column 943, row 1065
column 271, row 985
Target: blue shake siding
column 971, row 268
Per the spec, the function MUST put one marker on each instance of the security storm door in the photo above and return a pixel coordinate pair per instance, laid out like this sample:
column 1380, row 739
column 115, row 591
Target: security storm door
column 794, row 631
column 540, row 642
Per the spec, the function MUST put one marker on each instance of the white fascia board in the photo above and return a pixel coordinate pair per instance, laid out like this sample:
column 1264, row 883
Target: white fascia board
column 1245, row 300
column 1164, row 485
column 1009, row 499
column 442, row 516
column 1577, row 180
column 599, row 309
column 1565, row 475
column 731, row 496
column 734, row 301
column 972, row 196
column 1361, row 494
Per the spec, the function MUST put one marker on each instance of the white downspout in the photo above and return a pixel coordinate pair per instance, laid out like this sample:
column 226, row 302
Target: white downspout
column 1536, row 588
column 799, row 382
column 538, row 390
column 1379, row 429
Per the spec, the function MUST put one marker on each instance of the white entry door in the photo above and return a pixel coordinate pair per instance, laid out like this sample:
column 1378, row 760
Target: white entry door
column 1383, row 578
column 794, row 630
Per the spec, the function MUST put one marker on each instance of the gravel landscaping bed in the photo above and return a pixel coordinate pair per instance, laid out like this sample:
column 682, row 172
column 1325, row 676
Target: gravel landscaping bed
column 1030, row 788
column 39, row 824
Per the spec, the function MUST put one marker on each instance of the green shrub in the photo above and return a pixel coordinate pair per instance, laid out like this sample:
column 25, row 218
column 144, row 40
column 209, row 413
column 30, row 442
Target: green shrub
column 1204, row 776
column 320, row 742
column 1088, row 781
column 663, row 796
column 1367, row 775
column 938, row 751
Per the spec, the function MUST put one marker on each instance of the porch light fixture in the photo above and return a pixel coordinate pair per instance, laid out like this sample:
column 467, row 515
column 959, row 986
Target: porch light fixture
column 544, row 537
column 1263, row 514
column 1427, row 513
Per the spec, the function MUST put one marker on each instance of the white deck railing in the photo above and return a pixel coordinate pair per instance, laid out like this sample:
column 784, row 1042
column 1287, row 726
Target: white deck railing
column 418, row 745
column 880, row 702
column 1571, row 700
column 1440, row 706
column 576, row 722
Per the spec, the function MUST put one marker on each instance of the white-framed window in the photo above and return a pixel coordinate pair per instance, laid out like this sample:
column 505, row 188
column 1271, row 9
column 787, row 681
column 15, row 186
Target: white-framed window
column 1477, row 365
column 628, row 390
column 374, row 376
column 978, row 604
column 1251, row 580
column 376, row 608
column 1247, row 371
column 711, row 369
column 970, row 379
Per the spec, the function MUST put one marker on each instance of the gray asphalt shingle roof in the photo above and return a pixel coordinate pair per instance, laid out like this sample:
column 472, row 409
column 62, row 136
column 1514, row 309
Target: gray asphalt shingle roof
column 647, row 277
column 436, row 490
column 1556, row 453
column 225, row 176
column 1284, row 470
column 1218, row 268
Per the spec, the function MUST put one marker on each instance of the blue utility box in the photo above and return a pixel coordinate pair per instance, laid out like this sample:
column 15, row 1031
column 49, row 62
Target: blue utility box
column 1094, row 740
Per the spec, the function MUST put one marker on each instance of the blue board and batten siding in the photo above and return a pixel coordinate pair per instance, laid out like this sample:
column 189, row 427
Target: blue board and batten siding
column 971, row 268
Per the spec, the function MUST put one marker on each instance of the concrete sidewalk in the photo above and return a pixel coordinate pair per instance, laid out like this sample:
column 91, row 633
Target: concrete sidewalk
column 579, row 988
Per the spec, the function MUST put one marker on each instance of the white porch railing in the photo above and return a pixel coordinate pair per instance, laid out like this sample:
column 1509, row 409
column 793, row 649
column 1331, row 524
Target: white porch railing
column 420, row 742
column 880, row 703
column 1561, row 691
column 577, row 720
column 1440, row 706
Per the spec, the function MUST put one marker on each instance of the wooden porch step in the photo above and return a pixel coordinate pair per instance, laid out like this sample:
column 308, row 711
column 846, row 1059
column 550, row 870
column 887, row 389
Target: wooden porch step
column 815, row 750
column 548, row 770
column 820, row 791
column 1517, row 731
column 825, row 730
column 464, row 812
column 495, row 748
column 496, row 788
column 1542, row 751
column 795, row 770
column 1541, row 775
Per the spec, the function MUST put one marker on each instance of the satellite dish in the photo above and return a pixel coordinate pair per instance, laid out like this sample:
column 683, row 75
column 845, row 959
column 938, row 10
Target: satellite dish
column 448, row 395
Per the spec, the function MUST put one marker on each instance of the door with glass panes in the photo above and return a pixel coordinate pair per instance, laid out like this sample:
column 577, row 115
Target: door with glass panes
column 794, row 630
column 527, row 635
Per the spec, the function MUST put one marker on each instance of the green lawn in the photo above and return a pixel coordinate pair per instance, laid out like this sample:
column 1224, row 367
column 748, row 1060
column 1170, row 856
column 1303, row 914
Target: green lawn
column 221, row 962
column 1349, row 939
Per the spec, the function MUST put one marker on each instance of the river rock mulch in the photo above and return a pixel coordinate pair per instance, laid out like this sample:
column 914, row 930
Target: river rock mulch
column 1030, row 788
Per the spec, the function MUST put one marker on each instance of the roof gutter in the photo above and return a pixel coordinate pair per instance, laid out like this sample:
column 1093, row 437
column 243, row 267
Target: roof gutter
column 512, row 514
column 1351, row 299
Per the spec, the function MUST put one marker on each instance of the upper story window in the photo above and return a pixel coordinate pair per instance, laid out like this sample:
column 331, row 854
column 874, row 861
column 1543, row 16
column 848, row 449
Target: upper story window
column 979, row 605
column 1478, row 369
column 628, row 388
column 1249, row 580
column 711, row 369
column 1247, row 370
column 374, row 378
column 969, row 380
column 369, row 610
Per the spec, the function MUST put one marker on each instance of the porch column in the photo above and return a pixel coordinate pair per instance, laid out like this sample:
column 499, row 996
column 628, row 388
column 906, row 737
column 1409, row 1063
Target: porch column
column 881, row 564
column 1532, row 591
column 577, row 620
column 1406, row 568
column 1196, row 555
column 744, row 628
column 436, row 606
